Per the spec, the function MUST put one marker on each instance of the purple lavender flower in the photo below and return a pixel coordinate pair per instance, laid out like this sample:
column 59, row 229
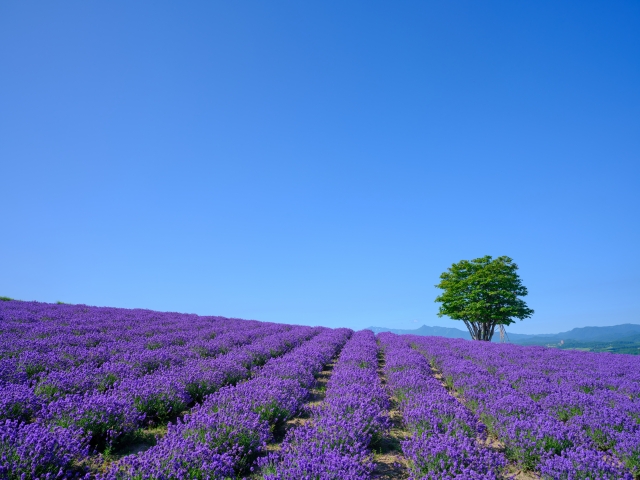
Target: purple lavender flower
column 444, row 441
column 441, row 456
column 104, row 418
column 335, row 444
column 18, row 402
column 233, row 425
column 582, row 464
column 35, row 451
column 159, row 397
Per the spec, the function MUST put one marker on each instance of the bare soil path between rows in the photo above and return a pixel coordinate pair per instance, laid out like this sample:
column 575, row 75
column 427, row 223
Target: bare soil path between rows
column 315, row 398
column 390, row 462
column 491, row 441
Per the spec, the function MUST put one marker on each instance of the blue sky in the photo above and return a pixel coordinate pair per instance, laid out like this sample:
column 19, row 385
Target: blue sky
column 320, row 162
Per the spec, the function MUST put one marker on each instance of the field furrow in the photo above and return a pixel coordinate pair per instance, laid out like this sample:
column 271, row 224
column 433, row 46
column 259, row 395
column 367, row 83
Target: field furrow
column 446, row 439
column 71, row 426
column 533, row 437
column 335, row 444
column 221, row 437
column 388, row 458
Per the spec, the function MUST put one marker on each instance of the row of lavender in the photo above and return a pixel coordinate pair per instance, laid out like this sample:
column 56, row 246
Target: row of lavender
column 563, row 414
column 221, row 437
column 335, row 443
column 72, row 348
column 158, row 367
column 446, row 440
column 143, row 398
column 53, row 351
column 46, row 447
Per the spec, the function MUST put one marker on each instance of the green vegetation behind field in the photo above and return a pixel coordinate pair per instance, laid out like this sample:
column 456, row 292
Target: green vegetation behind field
column 629, row 346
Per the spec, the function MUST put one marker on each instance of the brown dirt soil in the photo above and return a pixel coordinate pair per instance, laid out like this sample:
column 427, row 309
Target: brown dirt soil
column 491, row 441
column 316, row 397
column 390, row 463
column 141, row 441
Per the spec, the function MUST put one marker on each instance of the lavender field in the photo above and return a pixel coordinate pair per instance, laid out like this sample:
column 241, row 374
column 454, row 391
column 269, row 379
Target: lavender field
column 105, row 393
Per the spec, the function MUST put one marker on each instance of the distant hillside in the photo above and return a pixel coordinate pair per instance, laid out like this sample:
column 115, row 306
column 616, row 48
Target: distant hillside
column 623, row 338
column 594, row 334
column 426, row 331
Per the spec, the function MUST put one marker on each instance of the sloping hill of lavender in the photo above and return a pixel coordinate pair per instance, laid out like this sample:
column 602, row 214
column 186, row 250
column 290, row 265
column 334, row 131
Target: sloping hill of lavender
column 114, row 394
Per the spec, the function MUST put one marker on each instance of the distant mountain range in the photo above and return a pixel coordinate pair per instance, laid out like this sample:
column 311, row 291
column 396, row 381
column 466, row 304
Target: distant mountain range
column 426, row 331
column 623, row 338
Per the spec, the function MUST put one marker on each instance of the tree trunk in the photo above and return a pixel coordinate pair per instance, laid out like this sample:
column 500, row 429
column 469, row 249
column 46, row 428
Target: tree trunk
column 480, row 330
column 473, row 328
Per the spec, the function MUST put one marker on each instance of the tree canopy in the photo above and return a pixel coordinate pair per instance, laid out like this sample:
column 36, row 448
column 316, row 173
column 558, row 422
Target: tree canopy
column 483, row 293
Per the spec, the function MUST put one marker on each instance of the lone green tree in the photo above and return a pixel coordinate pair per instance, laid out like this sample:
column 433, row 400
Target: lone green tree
column 483, row 293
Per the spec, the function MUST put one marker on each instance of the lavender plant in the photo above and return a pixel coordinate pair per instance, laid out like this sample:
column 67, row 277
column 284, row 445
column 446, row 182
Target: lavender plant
column 105, row 419
column 35, row 451
column 335, row 445
column 547, row 405
column 446, row 438
column 233, row 425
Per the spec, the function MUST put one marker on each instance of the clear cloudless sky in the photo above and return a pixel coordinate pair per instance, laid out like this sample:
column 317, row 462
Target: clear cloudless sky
column 320, row 162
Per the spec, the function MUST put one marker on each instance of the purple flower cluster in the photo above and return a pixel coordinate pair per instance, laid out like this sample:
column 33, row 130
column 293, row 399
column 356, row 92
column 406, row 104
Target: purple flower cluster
column 18, row 402
column 334, row 444
column 105, row 418
column 35, row 451
column 67, row 349
column 231, row 427
column 446, row 438
column 580, row 464
column 564, row 414
column 92, row 376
